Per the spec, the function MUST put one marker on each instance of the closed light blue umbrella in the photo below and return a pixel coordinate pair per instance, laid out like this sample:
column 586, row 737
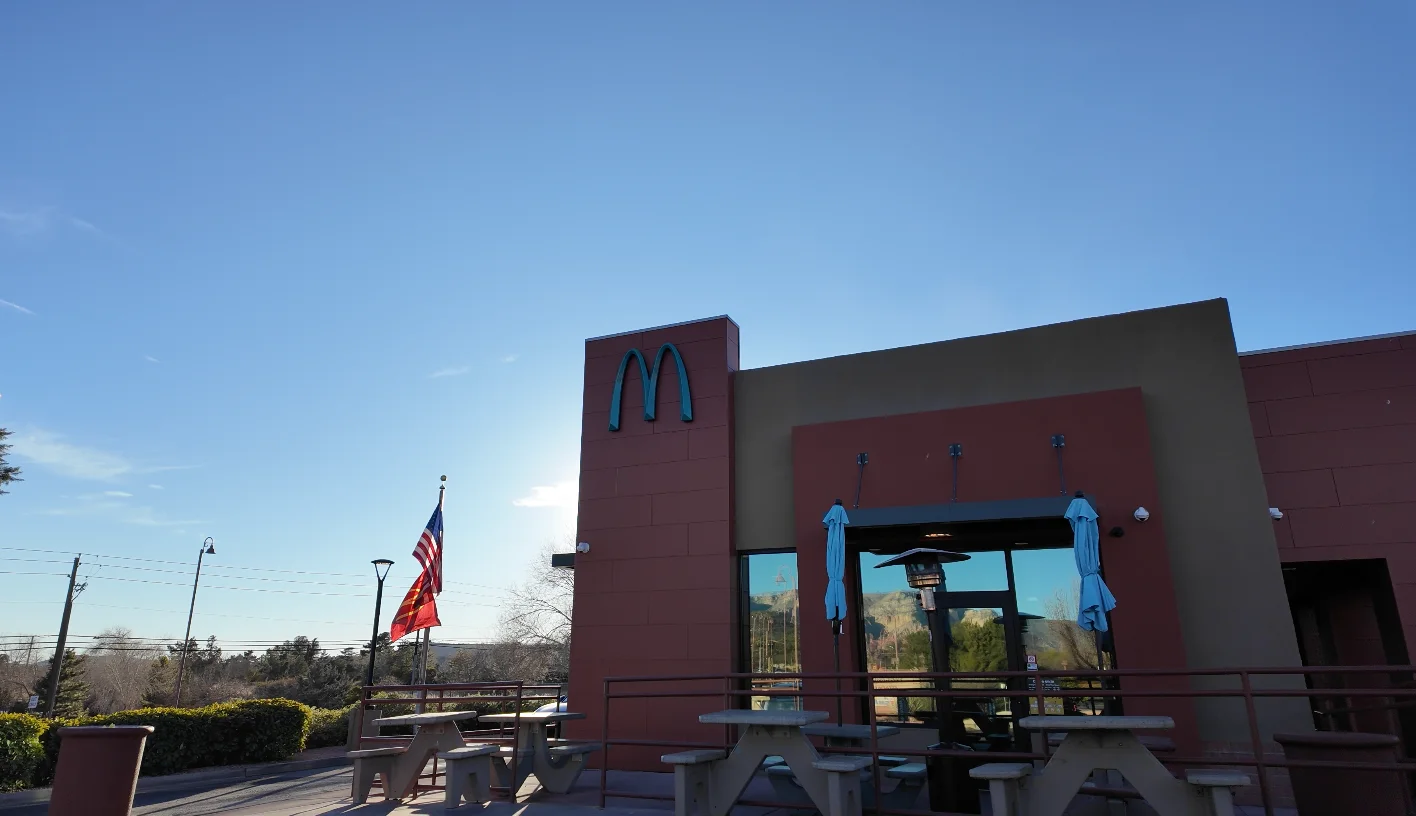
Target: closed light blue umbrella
column 1096, row 600
column 836, row 522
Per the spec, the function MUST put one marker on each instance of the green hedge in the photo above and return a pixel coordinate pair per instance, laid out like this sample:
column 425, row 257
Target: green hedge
column 328, row 727
column 21, row 751
column 184, row 738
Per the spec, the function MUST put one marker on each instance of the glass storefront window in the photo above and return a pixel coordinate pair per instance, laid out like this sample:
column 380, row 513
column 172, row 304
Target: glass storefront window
column 771, row 612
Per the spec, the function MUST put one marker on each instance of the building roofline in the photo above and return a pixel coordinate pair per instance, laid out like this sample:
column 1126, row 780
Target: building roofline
column 666, row 326
column 1323, row 343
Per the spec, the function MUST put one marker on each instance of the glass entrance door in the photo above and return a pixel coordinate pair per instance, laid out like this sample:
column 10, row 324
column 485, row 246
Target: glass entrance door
column 981, row 633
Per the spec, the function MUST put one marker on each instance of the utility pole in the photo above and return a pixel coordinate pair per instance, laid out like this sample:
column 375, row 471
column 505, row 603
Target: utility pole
column 55, row 670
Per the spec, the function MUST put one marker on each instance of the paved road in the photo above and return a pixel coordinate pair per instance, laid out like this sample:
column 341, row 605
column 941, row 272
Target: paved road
column 301, row 792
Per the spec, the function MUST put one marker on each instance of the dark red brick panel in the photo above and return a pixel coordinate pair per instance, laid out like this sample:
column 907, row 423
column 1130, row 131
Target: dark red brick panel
column 1274, row 382
column 1258, row 417
column 689, row 606
column 699, row 505
column 1321, row 352
column 1390, row 369
column 621, row 608
column 1283, row 534
column 708, row 412
column 688, row 572
column 1301, row 488
column 711, row 641
column 708, row 537
column 621, row 511
column 689, row 333
column 597, row 484
column 1331, row 412
column 617, row 543
column 630, row 641
column 1336, row 449
column 592, row 576
column 626, row 451
column 705, row 442
column 1377, row 484
column 1362, row 524
column 690, row 474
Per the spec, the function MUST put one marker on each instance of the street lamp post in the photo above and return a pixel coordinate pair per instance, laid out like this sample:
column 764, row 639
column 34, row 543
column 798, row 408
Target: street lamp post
column 381, row 566
column 208, row 548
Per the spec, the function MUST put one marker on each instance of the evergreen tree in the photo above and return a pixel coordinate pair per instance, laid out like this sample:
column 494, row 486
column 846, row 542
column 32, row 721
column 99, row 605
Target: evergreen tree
column 73, row 691
column 8, row 473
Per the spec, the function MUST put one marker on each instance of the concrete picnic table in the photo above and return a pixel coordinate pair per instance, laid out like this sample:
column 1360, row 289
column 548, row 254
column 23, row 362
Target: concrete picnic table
column 556, row 767
column 902, row 780
column 1095, row 743
column 766, row 733
column 848, row 735
column 437, row 731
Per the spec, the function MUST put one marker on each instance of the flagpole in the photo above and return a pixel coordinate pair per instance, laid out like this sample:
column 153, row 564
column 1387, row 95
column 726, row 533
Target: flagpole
column 442, row 534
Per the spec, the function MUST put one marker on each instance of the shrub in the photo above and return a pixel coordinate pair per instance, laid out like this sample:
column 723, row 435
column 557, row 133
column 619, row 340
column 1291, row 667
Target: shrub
column 21, row 750
column 328, row 727
column 185, row 738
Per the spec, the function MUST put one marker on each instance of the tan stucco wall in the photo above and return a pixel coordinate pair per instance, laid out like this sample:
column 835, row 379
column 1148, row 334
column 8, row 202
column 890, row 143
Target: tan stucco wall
column 1229, row 586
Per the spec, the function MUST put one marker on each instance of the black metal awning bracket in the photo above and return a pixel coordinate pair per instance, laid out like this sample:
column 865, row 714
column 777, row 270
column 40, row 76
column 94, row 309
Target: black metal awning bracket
column 1059, row 441
column 956, row 452
column 862, row 459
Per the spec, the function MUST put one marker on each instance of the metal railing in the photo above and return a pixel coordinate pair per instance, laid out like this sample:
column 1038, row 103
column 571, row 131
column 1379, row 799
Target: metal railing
column 730, row 689
column 500, row 697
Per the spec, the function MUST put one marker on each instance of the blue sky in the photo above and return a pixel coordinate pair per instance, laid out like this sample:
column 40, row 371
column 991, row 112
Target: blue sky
column 268, row 270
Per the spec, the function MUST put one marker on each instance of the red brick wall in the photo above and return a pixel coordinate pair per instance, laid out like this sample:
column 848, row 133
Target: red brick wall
column 1336, row 433
column 654, row 595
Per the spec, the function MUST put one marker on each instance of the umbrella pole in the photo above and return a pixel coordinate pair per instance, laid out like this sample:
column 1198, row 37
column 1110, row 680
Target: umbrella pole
column 836, row 652
column 1096, row 639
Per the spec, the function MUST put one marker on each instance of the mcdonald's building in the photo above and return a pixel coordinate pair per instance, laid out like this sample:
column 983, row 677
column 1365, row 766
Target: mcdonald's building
column 1255, row 509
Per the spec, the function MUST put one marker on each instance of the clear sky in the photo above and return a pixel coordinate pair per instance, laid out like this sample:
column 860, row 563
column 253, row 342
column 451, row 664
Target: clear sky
column 267, row 270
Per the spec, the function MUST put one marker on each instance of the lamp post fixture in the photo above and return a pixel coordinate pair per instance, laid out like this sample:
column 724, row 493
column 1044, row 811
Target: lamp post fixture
column 208, row 548
column 924, row 570
column 381, row 566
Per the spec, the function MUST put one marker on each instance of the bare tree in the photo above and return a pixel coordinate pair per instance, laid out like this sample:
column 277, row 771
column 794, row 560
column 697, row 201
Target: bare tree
column 119, row 667
column 1078, row 646
column 537, row 616
column 20, row 668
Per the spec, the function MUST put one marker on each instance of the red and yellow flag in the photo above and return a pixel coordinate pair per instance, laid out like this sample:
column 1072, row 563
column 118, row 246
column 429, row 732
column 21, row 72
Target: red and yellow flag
column 419, row 610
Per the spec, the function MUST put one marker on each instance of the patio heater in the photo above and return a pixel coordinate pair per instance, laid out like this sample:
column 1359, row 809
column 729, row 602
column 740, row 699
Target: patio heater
column 924, row 570
column 950, row 789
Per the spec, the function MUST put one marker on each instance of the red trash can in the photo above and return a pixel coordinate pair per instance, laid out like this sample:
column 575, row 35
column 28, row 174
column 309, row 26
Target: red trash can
column 1341, row 792
column 98, row 770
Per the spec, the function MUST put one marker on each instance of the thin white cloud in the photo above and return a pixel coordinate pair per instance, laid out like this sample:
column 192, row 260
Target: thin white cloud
column 108, row 505
column 147, row 517
column 560, row 494
column 511, row 358
column 76, row 461
column 49, row 450
column 41, row 221
column 450, row 371
column 155, row 487
column 151, row 359
column 17, row 307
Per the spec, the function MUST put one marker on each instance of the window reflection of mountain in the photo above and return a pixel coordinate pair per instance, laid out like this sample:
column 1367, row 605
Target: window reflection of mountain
column 773, row 644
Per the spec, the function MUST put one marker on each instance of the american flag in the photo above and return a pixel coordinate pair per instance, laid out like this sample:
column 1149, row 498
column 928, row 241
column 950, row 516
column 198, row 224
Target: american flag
column 428, row 551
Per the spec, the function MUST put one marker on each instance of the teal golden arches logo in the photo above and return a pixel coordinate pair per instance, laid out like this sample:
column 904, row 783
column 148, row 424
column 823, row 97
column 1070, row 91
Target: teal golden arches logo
column 650, row 380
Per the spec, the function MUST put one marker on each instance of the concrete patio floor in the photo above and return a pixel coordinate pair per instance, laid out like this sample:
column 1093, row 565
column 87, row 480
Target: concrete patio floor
column 326, row 792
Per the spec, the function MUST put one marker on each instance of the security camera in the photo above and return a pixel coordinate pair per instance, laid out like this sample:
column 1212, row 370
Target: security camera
column 1275, row 513
column 583, row 547
column 1142, row 514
